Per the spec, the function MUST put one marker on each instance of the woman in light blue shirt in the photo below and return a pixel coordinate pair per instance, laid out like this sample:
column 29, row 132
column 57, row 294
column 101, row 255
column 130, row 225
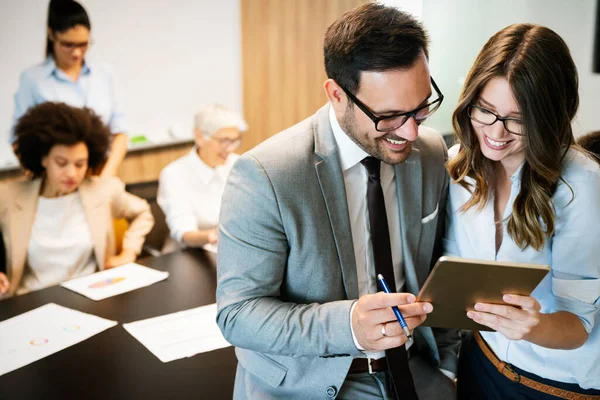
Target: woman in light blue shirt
column 65, row 76
column 523, row 192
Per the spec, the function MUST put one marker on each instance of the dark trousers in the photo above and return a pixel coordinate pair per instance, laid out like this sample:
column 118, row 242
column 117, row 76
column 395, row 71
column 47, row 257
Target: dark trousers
column 479, row 379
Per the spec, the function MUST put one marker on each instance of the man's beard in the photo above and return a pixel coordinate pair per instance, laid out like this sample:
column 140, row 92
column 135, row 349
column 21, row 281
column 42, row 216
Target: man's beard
column 370, row 145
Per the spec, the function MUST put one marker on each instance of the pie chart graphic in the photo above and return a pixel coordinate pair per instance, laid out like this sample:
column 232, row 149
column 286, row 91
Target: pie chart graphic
column 71, row 328
column 106, row 282
column 38, row 341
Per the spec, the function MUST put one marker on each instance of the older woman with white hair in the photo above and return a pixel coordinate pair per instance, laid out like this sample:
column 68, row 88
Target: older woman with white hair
column 190, row 188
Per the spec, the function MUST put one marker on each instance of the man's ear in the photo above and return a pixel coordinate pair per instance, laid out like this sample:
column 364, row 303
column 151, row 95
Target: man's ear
column 198, row 137
column 336, row 96
column 50, row 34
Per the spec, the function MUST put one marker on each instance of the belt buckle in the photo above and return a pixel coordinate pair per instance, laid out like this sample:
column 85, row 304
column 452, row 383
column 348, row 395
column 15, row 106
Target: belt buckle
column 510, row 373
column 369, row 365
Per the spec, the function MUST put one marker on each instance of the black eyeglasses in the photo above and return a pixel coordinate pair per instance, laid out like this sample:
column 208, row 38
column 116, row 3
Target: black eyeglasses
column 392, row 122
column 487, row 117
column 70, row 46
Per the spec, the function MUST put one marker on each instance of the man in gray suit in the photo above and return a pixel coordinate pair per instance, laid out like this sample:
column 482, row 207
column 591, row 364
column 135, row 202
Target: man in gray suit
column 297, row 292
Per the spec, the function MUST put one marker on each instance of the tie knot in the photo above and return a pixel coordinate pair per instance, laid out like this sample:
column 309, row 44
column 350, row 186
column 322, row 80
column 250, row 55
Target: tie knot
column 372, row 165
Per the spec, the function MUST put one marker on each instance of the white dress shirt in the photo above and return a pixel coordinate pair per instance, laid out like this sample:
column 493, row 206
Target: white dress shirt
column 355, row 181
column 60, row 246
column 572, row 252
column 189, row 193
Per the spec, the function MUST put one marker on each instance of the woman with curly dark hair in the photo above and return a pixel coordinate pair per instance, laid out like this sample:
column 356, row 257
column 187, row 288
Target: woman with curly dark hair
column 58, row 225
column 522, row 191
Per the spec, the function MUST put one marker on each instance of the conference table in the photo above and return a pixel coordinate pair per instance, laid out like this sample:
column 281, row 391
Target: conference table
column 113, row 364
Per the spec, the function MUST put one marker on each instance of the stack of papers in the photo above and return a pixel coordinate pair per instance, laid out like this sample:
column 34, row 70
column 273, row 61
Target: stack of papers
column 210, row 247
column 46, row 330
column 181, row 334
column 114, row 281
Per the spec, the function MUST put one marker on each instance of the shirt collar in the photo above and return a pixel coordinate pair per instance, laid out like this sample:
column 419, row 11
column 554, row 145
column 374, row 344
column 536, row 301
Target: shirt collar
column 205, row 172
column 51, row 69
column 350, row 153
column 516, row 177
column 85, row 69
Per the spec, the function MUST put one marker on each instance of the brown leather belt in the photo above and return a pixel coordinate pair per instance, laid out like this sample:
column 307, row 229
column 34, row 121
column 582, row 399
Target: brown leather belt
column 360, row 365
column 506, row 370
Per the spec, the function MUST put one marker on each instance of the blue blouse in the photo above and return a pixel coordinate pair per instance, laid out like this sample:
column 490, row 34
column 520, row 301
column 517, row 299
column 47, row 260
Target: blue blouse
column 573, row 253
column 96, row 88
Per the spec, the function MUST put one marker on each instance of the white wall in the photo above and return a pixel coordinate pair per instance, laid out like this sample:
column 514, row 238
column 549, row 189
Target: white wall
column 459, row 28
column 170, row 56
column 414, row 7
column 173, row 55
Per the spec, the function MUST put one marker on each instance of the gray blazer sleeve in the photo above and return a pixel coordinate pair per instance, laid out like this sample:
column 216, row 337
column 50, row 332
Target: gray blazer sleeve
column 252, row 268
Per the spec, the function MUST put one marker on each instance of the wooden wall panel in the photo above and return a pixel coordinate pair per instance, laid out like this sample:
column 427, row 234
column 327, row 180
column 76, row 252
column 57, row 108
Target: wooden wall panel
column 282, row 56
column 138, row 166
column 146, row 165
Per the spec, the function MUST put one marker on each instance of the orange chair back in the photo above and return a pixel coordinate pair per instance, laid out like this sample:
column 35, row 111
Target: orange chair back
column 120, row 227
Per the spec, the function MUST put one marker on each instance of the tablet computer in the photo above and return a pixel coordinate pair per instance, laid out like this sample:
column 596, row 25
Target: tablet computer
column 456, row 284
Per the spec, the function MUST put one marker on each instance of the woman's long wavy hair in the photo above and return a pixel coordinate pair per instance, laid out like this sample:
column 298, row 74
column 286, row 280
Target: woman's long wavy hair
column 538, row 66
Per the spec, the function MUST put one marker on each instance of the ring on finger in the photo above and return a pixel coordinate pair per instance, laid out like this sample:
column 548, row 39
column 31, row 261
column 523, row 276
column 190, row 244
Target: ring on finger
column 383, row 330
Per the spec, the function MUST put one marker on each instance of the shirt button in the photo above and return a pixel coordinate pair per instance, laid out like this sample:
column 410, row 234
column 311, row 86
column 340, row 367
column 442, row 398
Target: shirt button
column 331, row 391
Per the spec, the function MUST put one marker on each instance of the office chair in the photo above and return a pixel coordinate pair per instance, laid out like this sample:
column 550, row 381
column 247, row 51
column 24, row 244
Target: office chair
column 2, row 255
column 157, row 237
column 120, row 226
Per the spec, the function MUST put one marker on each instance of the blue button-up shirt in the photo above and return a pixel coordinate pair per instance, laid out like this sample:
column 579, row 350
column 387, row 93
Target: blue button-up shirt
column 573, row 253
column 96, row 88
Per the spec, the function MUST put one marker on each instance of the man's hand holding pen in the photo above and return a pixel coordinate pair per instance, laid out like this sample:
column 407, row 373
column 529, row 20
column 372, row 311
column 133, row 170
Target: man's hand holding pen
column 375, row 325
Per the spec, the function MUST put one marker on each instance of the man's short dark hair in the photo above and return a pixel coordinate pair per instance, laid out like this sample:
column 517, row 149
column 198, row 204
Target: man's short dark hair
column 49, row 124
column 372, row 37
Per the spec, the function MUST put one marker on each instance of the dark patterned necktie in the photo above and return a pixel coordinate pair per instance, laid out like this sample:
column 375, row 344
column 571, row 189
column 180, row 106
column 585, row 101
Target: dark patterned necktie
column 397, row 358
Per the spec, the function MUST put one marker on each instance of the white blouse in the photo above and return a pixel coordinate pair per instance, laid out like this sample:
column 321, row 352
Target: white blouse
column 573, row 254
column 189, row 193
column 60, row 246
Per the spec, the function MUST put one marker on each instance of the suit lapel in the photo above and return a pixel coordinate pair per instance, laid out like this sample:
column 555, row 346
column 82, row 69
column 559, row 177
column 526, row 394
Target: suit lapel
column 331, row 181
column 21, row 223
column 92, row 202
column 409, row 184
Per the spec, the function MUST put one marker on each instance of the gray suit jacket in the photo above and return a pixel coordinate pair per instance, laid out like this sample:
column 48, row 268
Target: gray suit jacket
column 286, row 270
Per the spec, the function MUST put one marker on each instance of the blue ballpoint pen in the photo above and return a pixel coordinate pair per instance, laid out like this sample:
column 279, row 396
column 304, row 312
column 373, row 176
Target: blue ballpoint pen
column 399, row 316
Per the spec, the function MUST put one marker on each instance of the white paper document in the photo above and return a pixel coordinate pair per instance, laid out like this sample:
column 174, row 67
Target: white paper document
column 181, row 334
column 114, row 281
column 210, row 247
column 46, row 330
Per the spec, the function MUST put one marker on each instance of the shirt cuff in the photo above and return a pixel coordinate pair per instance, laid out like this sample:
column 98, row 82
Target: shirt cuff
column 118, row 125
column 178, row 230
column 408, row 344
column 579, row 297
column 352, row 330
column 450, row 375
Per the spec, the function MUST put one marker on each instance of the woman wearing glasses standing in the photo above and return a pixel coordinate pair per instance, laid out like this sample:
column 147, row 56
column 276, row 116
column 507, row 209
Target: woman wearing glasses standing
column 191, row 187
column 66, row 76
column 523, row 192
